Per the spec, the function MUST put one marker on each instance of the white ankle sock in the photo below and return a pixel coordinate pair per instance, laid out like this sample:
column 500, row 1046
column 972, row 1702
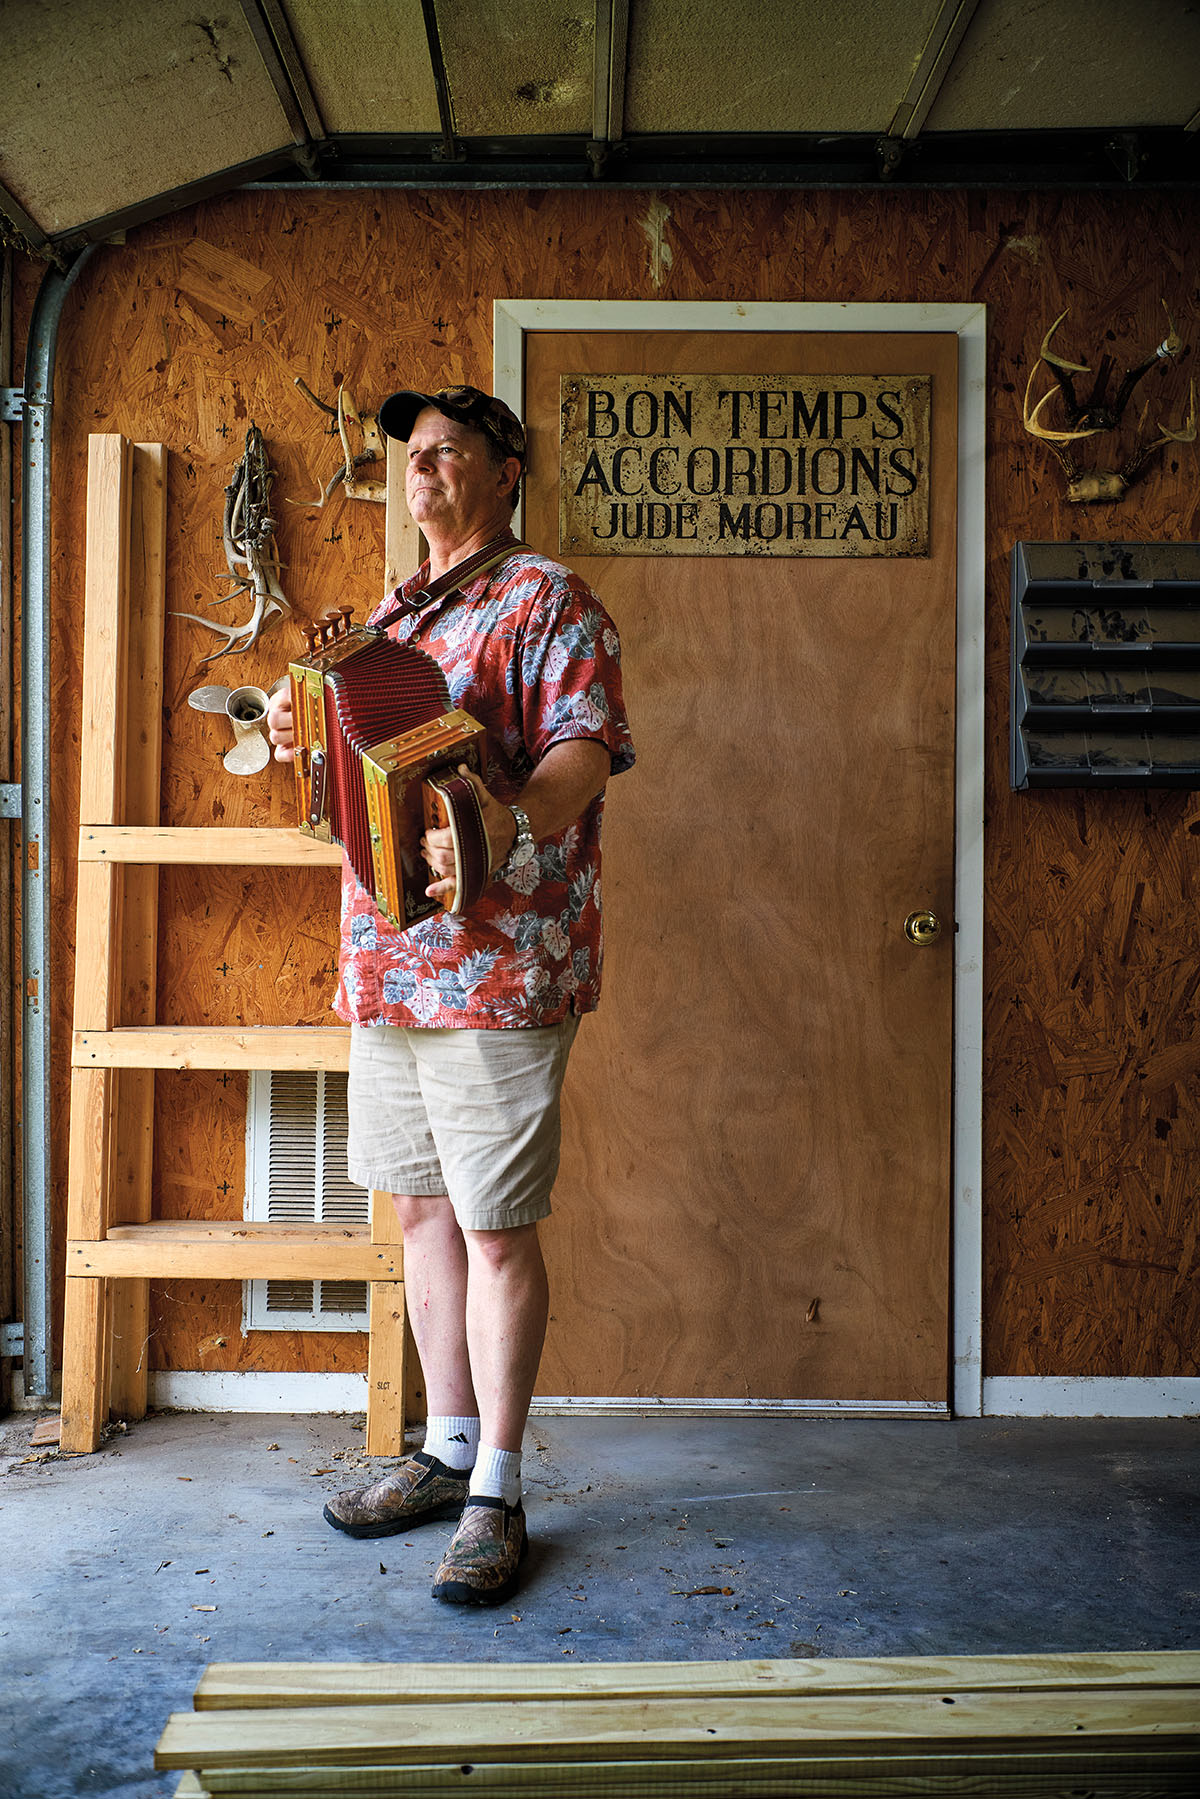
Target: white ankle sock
column 453, row 1441
column 497, row 1472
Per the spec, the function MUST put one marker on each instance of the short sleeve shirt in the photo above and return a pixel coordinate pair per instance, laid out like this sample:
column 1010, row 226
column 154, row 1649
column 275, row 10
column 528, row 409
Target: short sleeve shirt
column 528, row 650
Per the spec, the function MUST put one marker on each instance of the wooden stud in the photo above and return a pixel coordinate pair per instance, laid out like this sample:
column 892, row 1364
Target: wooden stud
column 386, row 1342
column 402, row 548
column 85, row 1354
column 106, row 575
column 85, row 1397
column 133, row 1150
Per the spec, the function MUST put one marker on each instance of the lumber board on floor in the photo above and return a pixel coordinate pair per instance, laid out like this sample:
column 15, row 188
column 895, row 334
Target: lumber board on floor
column 1114, row 1726
column 888, row 1777
column 248, row 1685
column 1107, row 1778
column 877, row 1778
column 630, row 1728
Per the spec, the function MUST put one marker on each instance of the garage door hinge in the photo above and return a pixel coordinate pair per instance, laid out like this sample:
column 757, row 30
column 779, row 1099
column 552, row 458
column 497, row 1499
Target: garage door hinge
column 12, row 404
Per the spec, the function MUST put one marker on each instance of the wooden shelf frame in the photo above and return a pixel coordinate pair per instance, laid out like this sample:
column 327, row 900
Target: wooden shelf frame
column 114, row 1246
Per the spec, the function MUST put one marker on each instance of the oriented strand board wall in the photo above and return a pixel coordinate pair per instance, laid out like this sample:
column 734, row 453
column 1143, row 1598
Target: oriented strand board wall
column 198, row 324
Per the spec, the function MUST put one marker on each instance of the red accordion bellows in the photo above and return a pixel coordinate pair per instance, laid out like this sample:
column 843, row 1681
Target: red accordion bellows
column 382, row 692
column 374, row 732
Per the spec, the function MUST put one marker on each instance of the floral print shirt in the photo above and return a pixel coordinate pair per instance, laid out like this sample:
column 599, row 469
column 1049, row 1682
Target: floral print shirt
column 528, row 650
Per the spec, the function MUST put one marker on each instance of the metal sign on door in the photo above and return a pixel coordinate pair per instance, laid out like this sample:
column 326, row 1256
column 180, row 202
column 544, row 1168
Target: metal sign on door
column 744, row 465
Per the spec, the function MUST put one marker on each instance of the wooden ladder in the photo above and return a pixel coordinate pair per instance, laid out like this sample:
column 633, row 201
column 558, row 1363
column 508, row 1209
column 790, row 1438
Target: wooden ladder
column 114, row 1246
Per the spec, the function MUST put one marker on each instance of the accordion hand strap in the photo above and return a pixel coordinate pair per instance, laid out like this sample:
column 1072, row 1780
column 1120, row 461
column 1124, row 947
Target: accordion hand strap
column 455, row 803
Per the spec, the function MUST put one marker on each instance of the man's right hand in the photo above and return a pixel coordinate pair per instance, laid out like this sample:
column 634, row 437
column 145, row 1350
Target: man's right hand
column 279, row 725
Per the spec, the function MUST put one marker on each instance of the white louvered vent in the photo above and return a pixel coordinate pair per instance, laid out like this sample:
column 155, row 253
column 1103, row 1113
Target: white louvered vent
column 296, row 1174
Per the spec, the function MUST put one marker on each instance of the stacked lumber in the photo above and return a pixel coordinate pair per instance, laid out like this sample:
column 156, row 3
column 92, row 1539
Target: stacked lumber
column 1036, row 1726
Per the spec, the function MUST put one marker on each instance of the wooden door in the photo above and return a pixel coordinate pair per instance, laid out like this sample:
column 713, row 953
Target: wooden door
column 754, row 1201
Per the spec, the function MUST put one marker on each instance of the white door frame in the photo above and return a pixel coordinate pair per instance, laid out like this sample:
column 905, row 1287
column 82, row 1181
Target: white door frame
column 512, row 319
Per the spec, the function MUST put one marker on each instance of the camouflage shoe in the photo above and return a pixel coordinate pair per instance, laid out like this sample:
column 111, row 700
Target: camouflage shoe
column 418, row 1491
column 480, row 1566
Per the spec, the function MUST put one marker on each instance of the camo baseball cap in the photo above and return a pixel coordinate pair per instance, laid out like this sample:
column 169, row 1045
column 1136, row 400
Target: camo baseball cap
column 467, row 405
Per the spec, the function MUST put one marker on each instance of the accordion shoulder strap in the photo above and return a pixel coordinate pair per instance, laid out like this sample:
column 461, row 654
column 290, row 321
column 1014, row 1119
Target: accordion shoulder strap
column 489, row 557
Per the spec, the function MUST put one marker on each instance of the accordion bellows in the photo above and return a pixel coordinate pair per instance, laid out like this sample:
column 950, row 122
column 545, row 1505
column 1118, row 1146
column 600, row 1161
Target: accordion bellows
column 378, row 747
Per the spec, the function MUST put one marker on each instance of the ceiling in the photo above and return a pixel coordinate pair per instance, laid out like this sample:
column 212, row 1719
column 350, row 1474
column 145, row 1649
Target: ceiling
column 112, row 114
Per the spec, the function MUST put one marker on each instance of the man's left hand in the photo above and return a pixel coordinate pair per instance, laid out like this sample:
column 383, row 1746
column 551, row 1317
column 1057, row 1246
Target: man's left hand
column 438, row 846
column 568, row 776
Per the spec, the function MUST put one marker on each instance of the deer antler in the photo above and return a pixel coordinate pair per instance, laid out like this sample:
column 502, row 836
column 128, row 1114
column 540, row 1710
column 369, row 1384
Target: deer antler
column 345, row 409
column 1167, row 351
column 1030, row 419
column 1095, row 416
column 1185, row 435
column 248, row 533
column 1063, row 369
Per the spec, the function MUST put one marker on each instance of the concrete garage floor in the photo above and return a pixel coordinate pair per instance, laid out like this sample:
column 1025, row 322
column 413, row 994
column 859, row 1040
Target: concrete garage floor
column 196, row 1538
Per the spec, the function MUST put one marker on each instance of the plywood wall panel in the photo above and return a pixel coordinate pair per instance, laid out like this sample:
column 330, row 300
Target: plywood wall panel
column 199, row 324
column 1092, row 1127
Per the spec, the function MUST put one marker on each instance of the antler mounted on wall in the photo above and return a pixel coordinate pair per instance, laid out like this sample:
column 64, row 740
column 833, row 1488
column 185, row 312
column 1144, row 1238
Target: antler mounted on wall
column 251, row 553
column 356, row 487
column 1096, row 414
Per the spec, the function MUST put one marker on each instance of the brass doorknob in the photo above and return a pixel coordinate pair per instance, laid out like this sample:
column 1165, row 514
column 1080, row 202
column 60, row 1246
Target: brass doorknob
column 922, row 928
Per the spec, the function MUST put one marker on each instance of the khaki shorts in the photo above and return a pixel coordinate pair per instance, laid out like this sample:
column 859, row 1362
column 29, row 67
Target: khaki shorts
column 472, row 1114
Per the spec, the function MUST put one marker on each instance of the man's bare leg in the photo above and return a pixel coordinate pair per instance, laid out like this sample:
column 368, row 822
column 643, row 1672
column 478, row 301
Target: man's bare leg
column 435, row 1291
column 507, row 1306
column 478, row 1303
column 435, row 1284
column 507, row 1309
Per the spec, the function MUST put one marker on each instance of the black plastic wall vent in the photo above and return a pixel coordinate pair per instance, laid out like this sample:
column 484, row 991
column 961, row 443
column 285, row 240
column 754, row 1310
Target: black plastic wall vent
column 1105, row 665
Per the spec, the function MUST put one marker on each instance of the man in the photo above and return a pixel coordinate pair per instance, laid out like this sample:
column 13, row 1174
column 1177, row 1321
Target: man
column 461, row 1027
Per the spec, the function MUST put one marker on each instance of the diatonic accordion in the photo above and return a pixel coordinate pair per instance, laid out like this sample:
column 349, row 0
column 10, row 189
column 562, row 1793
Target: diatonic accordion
column 378, row 747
